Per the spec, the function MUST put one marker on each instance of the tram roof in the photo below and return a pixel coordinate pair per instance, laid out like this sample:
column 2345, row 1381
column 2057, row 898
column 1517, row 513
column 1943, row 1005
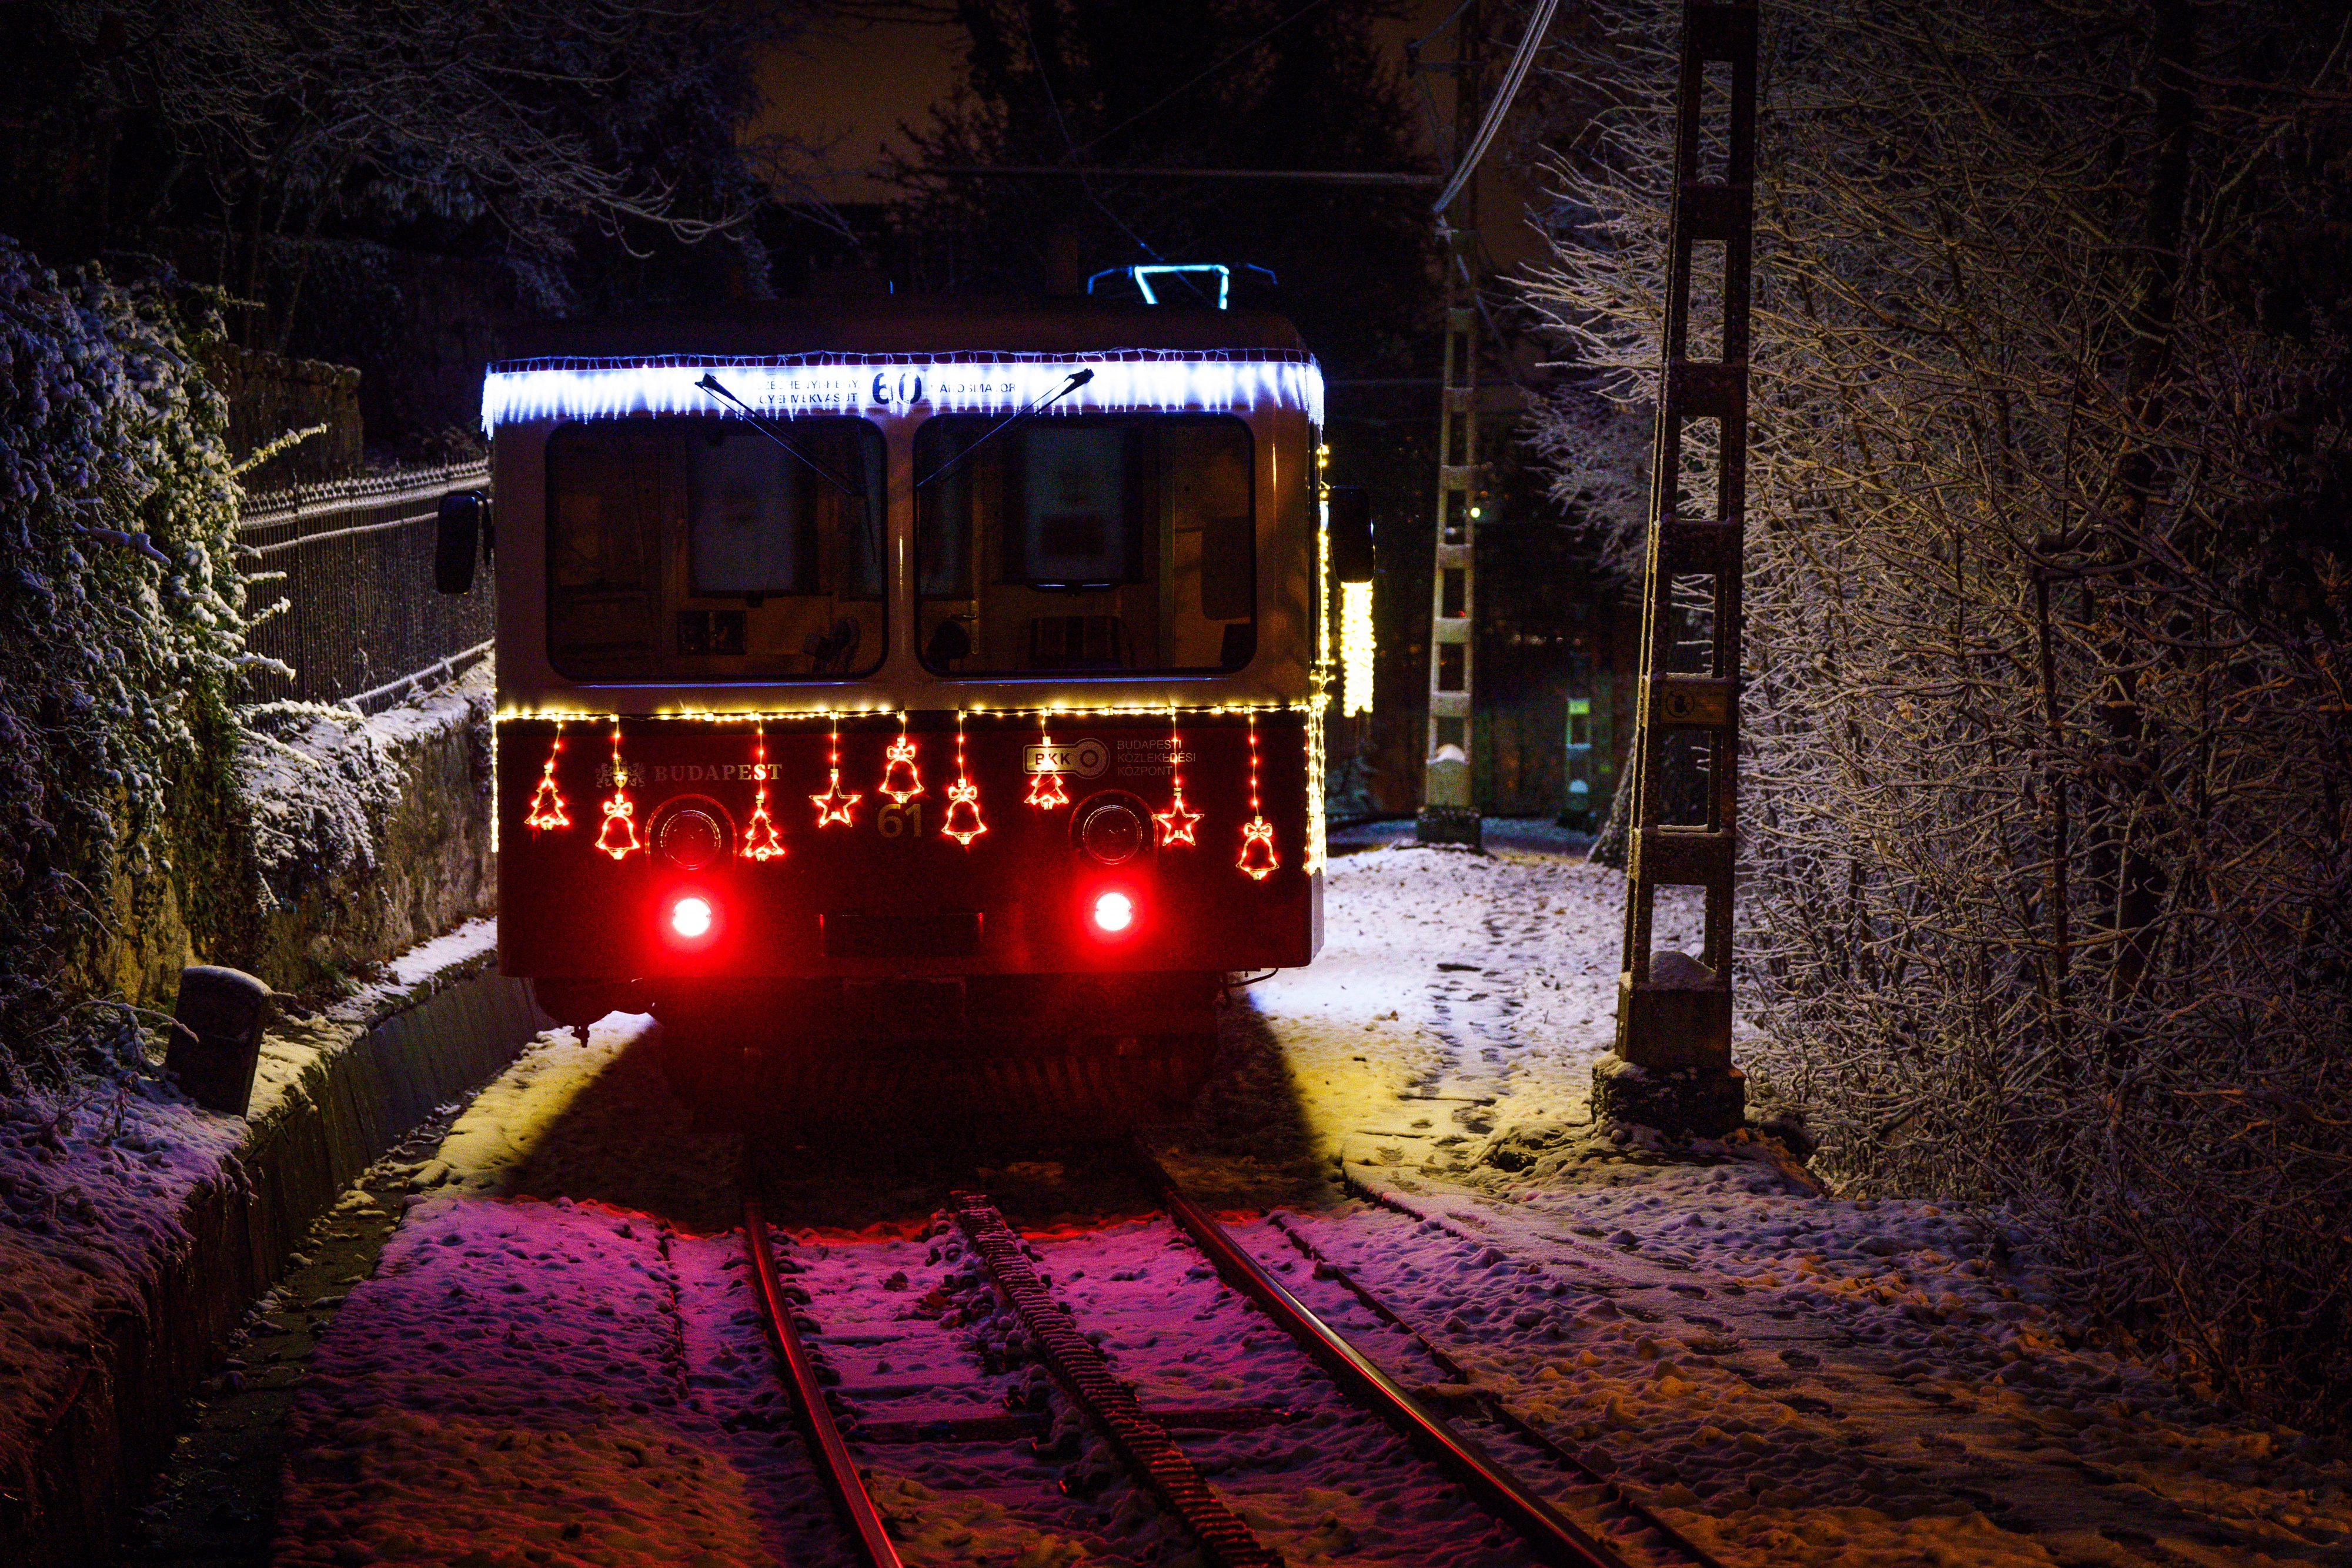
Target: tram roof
column 914, row 325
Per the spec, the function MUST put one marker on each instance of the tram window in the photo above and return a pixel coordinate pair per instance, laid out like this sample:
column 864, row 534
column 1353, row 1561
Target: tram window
column 1105, row 543
column 699, row 550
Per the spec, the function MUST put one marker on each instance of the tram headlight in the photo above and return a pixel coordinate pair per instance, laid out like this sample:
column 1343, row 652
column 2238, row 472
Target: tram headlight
column 1114, row 912
column 691, row 918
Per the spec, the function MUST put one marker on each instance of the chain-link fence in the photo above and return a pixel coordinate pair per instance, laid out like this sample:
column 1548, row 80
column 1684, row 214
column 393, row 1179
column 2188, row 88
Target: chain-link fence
column 355, row 614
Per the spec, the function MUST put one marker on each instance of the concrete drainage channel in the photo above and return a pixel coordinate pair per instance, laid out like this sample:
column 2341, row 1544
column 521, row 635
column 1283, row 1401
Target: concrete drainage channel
column 338, row 1094
column 215, row 1505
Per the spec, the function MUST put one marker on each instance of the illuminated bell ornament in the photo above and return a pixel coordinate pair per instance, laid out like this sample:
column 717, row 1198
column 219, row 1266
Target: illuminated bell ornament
column 1177, row 823
column 1259, row 859
column 899, row 781
column 1045, row 792
column 963, row 824
column 620, row 814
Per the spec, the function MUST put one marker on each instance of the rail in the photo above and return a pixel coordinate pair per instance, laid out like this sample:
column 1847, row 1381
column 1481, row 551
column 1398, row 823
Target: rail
column 1553, row 1537
column 817, row 1425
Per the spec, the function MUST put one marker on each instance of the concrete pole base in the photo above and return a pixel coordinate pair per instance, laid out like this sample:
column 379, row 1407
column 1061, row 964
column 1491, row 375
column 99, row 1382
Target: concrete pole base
column 1705, row 1102
column 1448, row 825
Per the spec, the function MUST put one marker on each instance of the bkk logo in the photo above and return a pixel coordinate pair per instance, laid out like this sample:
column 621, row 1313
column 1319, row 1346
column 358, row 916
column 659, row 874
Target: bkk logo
column 1078, row 759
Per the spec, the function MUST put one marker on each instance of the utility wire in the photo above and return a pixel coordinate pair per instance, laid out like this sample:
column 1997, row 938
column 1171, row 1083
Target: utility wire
column 1520, row 62
column 1046, row 80
column 1177, row 92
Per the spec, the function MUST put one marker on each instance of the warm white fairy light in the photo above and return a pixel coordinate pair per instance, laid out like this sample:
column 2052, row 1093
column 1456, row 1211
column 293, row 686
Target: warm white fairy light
column 1356, row 648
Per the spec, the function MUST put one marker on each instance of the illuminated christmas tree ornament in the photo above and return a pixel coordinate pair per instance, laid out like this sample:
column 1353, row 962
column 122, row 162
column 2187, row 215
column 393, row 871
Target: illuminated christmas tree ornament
column 963, row 824
column 833, row 805
column 900, row 779
column 547, row 812
column 1177, row 823
column 618, row 836
column 761, row 841
column 1258, row 859
column 1045, row 790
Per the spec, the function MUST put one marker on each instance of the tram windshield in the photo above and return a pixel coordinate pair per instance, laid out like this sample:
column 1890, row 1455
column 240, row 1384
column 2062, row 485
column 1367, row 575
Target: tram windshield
column 1086, row 543
column 702, row 549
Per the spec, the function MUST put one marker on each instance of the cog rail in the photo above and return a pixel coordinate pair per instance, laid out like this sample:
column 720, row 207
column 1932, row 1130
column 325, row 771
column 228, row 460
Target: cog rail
column 1554, row 1538
column 809, row 1405
column 1139, row 1439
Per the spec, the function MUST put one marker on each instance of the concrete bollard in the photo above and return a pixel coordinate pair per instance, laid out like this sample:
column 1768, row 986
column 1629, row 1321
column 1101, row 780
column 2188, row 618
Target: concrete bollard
column 213, row 1055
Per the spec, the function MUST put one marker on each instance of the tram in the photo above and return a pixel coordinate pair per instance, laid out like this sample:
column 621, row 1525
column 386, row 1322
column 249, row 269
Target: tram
column 910, row 684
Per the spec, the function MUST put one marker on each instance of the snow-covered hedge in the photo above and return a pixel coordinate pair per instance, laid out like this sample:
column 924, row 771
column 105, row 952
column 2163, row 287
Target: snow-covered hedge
column 121, row 621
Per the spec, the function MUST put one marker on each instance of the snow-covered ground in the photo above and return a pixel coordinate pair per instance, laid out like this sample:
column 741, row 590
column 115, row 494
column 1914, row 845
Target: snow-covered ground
column 557, row 1361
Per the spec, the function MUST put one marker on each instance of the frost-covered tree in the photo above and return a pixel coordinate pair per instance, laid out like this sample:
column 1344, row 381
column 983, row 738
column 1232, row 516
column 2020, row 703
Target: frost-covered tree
column 528, row 133
column 2048, row 778
column 122, row 631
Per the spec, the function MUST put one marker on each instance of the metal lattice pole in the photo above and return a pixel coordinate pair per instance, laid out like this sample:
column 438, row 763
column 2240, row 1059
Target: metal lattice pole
column 1449, row 812
column 1674, row 1012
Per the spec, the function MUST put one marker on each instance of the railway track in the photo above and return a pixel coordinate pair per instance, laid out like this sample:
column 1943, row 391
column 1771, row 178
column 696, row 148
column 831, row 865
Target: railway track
column 1581, row 1518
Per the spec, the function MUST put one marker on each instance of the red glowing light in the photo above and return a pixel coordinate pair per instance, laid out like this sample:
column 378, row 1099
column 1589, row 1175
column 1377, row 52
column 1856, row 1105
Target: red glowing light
column 547, row 811
column 900, row 779
column 833, row 805
column 1114, row 912
column 690, row 917
column 1177, row 823
column 1258, row 859
column 1045, row 792
column 963, row 824
column 761, row 841
column 618, row 836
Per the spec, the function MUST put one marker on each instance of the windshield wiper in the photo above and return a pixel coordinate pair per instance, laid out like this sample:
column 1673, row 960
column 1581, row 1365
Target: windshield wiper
column 1077, row 378
column 766, row 427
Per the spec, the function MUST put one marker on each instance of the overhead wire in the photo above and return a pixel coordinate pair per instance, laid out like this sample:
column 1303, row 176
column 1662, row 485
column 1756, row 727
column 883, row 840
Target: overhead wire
column 1176, row 93
column 1054, row 102
column 1522, row 60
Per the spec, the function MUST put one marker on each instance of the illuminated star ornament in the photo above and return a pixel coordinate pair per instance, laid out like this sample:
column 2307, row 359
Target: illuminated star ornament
column 1177, row 823
column 1045, row 790
column 833, row 805
column 1258, row 859
column 547, row 812
column 761, row 841
column 900, row 779
column 618, row 837
column 963, row 824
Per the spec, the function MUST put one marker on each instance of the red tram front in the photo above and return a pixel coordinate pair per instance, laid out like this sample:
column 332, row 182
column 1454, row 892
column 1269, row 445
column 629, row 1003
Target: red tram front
column 920, row 685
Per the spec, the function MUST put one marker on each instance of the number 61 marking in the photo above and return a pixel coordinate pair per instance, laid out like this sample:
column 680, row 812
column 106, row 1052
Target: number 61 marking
column 894, row 820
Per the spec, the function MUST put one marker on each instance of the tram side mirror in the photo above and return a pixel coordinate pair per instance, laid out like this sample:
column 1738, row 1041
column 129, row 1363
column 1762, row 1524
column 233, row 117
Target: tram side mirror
column 1351, row 533
column 462, row 538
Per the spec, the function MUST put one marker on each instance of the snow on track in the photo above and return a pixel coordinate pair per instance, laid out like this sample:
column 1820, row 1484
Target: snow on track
column 1795, row 1378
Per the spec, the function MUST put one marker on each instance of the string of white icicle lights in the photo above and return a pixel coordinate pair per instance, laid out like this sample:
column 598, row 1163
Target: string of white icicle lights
column 1125, row 381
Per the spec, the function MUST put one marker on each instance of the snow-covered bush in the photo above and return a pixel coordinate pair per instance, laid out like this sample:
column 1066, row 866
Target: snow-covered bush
column 121, row 619
column 2047, row 817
